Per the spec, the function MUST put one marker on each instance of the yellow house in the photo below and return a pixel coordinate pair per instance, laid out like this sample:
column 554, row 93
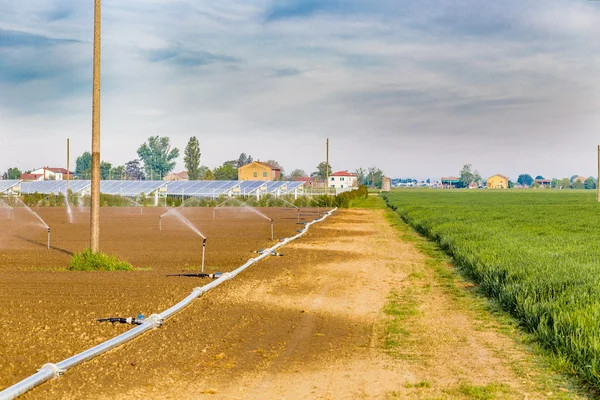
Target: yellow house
column 497, row 182
column 258, row 171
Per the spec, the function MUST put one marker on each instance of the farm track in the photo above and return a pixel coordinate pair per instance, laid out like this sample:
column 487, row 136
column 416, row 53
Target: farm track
column 306, row 325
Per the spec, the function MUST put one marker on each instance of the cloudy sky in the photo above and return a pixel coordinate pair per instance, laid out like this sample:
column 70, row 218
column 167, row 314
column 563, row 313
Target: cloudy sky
column 415, row 87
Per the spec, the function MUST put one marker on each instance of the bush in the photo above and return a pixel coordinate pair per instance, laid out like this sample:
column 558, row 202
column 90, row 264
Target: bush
column 342, row 200
column 88, row 261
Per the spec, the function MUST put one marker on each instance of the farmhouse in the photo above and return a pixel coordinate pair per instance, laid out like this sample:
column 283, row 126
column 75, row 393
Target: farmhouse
column 450, row 181
column 543, row 182
column 179, row 176
column 497, row 182
column 258, row 171
column 47, row 173
column 308, row 181
column 343, row 179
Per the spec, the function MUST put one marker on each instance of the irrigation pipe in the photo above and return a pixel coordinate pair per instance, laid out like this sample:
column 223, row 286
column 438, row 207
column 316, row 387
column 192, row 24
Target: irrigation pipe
column 50, row 371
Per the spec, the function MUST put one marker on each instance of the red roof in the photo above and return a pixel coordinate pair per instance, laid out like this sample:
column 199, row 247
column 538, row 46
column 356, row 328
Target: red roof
column 267, row 165
column 59, row 170
column 342, row 173
column 30, row 177
column 303, row 179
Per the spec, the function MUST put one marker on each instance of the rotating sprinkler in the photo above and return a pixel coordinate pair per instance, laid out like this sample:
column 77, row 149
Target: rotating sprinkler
column 48, row 238
column 160, row 222
column 203, row 250
column 129, row 320
column 272, row 234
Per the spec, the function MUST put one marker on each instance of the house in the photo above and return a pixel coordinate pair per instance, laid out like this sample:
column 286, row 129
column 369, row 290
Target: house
column 343, row 179
column 47, row 173
column 497, row 182
column 258, row 171
column 308, row 181
column 545, row 183
column 179, row 176
column 450, row 181
column 32, row 177
column 473, row 185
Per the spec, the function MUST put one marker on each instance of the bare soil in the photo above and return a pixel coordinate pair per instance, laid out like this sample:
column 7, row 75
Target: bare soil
column 308, row 325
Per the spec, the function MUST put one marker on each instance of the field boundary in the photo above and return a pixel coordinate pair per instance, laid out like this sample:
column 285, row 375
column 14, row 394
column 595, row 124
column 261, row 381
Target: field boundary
column 49, row 371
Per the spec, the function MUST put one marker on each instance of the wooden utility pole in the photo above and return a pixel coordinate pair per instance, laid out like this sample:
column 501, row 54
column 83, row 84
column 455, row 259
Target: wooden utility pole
column 327, row 166
column 68, row 162
column 95, row 192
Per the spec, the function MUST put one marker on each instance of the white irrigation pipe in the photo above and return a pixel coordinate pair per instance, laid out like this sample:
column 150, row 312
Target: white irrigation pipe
column 50, row 371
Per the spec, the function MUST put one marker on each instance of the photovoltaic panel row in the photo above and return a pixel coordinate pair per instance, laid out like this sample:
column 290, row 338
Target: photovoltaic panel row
column 53, row 187
column 200, row 188
column 130, row 188
column 249, row 187
column 6, row 185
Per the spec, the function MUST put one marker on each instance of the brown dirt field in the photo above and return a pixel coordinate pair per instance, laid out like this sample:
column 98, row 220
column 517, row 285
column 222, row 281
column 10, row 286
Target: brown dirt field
column 308, row 325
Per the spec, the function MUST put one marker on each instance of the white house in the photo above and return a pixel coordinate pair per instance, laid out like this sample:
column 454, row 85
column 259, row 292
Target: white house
column 343, row 179
column 46, row 173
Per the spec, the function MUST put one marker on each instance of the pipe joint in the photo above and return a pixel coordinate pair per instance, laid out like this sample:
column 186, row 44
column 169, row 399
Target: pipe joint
column 200, row 290
column 56, row 372
column 227, row 275
column 156, row 320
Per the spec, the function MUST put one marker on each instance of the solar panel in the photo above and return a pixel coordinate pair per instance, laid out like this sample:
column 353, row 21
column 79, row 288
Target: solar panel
column 5, row 186
column 130, row 188
column 53, row 187
column 201, row 188
column 292, row 186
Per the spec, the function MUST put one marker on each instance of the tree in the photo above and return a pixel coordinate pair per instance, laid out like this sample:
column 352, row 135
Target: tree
column 321, row 172
column 83, row 165
column 477, row 178
column 511, row 184
column 466, row 176
column 202, row 170
column 191, row 159
column 275, row 163
column 374, row 178
column 105, row 168
column 208, row 175
column 578, row 185
column 13, row 174
column 555, row 184
column 590, row 183
column 243, row 160
column 565, row 183
column 539, row 177
column 133, row 170
column 226, row 172
column 361, row 175
column 117, row 173
column 297, row 173
column 158, row 156
column 525, row 180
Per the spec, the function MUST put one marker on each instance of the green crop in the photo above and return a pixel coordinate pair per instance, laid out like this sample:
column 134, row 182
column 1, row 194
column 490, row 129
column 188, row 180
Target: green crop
column 536, row 252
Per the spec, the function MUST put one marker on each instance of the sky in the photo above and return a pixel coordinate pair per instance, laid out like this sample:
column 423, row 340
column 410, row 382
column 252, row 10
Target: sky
column 416, row 88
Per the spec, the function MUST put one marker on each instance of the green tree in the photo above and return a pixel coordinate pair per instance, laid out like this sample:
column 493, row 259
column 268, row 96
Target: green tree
column 321, row 172
column 511, row 184
column 565, row 183
column 191, row 159
column 133, row 170
column 555, row 184
column 361, row 175
column 466, row 176
column 202, row 170
column 374, row 177
column 105, row 168
column 13, row 173
column 158, row 157
column 539, row 177
column 297, row 173
column 208, row 175
column 83, row 165
column 578, row 185
column 226, row 172
column 243, row 159
column 525, row 180
column 590, row 183
column 117, row 173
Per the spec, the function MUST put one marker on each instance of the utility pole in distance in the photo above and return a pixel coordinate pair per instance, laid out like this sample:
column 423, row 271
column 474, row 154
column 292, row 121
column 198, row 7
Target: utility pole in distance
column 598, row 181
column 327, row 166
column 95, row 192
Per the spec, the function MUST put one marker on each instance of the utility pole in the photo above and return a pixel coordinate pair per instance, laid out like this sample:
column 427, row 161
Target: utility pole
column 598, row 181
column 95, row 192
column 327, row 166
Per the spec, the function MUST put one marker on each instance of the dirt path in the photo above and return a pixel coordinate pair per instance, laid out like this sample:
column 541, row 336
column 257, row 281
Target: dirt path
column 319, row 323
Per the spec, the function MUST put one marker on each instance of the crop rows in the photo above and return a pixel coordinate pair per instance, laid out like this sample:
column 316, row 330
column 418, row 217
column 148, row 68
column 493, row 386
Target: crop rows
column 536, row 252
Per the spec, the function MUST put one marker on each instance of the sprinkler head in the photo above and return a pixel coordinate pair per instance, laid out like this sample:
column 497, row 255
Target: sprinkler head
column 204, row 242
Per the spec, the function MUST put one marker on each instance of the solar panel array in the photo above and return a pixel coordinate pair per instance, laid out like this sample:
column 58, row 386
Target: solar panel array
column 6, row 185
column 200, row 188
column 55, row 187
column 173, row 188
column 130, row 188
